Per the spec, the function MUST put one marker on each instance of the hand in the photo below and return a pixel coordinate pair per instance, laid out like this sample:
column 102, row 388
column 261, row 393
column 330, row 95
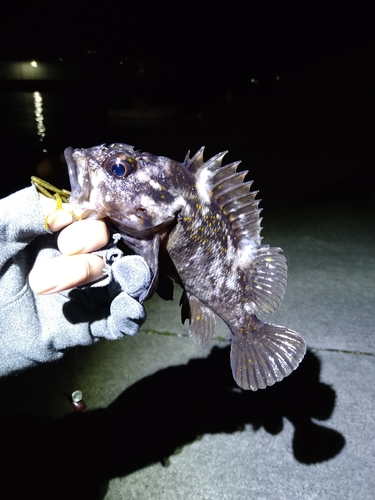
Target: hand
column 76, row 266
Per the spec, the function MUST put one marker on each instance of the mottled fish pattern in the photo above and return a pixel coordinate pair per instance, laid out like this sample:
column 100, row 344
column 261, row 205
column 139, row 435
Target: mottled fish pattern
column 198, row 223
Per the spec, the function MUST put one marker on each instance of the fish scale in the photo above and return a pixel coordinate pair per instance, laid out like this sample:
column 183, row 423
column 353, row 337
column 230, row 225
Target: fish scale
column 197, row 223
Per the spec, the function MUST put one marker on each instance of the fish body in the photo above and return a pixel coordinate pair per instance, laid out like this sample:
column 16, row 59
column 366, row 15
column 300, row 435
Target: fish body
column 198, row 223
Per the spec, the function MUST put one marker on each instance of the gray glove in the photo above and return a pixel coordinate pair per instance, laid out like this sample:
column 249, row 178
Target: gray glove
column 111, row 306
column 131, row 277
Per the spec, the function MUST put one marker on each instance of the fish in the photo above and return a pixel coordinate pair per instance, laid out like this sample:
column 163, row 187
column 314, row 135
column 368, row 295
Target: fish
column 196, row 223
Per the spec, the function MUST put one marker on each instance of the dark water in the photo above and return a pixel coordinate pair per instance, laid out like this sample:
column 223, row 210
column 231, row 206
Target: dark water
column 312, row 135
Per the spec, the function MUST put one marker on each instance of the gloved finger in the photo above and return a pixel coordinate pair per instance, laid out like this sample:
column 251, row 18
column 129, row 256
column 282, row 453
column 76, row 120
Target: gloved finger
column 64, row 272
column 83, row 236
column 127, row 316
column 132, row 274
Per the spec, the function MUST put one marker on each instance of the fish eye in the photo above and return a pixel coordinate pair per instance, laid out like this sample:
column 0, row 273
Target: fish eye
column 119, row 165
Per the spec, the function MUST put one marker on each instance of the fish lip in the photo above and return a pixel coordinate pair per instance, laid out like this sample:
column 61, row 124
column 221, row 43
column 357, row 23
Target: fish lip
column 72, row 169
column 78, row 177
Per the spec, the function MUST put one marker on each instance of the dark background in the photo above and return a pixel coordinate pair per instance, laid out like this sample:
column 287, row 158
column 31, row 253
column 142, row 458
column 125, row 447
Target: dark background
column 288, row 87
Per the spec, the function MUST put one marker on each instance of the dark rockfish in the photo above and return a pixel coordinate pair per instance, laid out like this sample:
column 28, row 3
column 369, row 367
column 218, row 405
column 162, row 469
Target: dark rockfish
column 198, row 222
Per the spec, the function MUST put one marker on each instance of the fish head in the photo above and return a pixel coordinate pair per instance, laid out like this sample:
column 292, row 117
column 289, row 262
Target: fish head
column 133, row 189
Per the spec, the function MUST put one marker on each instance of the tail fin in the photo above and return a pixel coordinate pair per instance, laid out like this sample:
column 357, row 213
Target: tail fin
column 263, row 354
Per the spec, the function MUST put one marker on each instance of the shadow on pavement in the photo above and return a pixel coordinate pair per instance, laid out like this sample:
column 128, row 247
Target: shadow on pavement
column 75, row 456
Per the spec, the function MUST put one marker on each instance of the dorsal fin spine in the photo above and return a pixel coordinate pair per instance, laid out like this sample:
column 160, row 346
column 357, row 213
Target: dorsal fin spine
column 240, row 186
column 195, row 164
column 221, row 177
column 187, row 159
column 214, row 163
column 245, row 203
column 239, row 203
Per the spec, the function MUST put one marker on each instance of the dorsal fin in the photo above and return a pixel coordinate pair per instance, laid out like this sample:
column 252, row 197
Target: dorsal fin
column 267, row 273
column 227, row 187
column 265, row 267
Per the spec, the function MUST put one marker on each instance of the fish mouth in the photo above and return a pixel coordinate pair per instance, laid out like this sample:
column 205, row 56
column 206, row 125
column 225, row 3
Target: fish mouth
column 79, row 177
column 72, row 171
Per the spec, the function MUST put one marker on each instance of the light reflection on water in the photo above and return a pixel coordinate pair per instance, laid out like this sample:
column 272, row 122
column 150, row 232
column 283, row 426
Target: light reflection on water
column 23, row 137
column 20, row 112
column 38, row 112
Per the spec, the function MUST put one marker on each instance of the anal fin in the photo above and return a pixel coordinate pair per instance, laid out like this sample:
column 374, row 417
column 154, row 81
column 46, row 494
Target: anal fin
column 264, row 354
column 202, row 318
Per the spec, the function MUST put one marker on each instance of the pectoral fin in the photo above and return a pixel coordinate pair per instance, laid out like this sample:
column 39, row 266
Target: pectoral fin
column 202, row 318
